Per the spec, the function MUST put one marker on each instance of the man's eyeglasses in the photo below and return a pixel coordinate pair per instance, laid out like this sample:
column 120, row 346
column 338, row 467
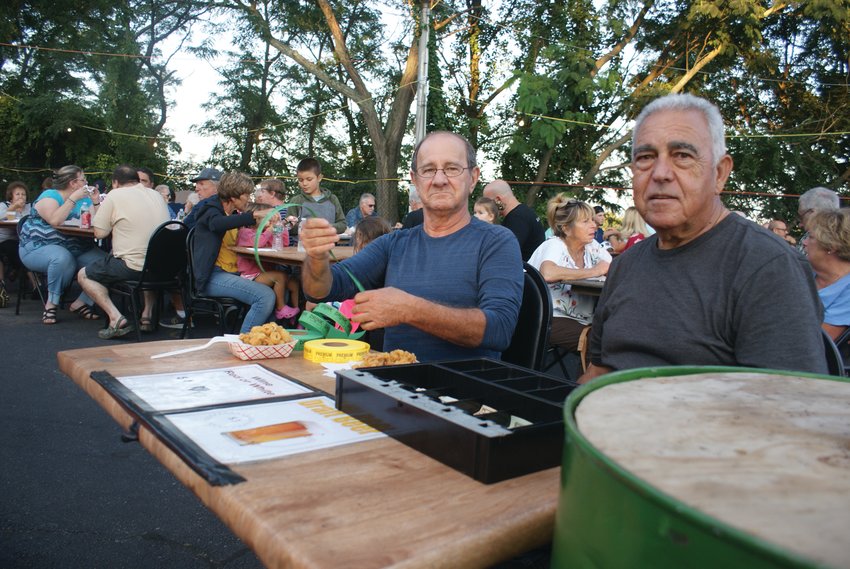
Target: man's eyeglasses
column 369, row 205
column 449, row 171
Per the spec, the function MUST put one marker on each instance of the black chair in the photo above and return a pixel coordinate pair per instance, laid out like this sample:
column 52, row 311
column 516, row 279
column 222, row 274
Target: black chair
column 528, row 345
column 23, row 280
column 842, row 343
column 834, row 361
column 195, row 302
column 165, row 265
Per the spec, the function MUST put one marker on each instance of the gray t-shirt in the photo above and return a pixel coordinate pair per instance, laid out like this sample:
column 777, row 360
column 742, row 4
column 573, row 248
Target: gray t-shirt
column 736, row 295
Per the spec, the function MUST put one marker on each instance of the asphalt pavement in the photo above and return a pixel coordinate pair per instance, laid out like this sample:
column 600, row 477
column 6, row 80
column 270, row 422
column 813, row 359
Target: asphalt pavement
column 71, row 493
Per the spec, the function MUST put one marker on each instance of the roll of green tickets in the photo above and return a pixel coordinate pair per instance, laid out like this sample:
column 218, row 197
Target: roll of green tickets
column 303, row 336
column 314, row 323
column 332, row 313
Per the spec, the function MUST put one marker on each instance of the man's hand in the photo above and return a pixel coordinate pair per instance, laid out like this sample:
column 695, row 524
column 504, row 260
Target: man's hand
column 318, row 237
column 382, row 307
column 594, row 371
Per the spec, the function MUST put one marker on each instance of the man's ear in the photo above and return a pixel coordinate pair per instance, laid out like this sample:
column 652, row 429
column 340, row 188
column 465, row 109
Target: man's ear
column 722, row 171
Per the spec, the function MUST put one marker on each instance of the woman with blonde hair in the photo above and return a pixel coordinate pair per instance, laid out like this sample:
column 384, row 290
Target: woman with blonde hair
column 571, row 253
column 633, row 230
column 827, row 246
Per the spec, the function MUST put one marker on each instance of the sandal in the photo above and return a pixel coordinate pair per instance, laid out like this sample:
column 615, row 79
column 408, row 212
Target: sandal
column 145, row 324
column 49, row 316
column 116, row 331
column 85, row 312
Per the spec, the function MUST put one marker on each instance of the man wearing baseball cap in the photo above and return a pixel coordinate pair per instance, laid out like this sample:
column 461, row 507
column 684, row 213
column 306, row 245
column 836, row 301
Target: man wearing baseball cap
column 206, row 186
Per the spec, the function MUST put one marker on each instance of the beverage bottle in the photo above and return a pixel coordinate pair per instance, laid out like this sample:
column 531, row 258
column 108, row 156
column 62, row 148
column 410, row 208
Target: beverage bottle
column 300, row 226
column 85, row 216
column 181, row 214
column 277, row 235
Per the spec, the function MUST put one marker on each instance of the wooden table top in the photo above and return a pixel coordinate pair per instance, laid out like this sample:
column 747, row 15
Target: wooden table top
column 291, row 255
column 74, row 230
column 371, row 504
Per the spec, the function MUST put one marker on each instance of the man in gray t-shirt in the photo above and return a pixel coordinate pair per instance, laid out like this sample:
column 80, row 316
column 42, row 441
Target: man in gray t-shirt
column 709, row 288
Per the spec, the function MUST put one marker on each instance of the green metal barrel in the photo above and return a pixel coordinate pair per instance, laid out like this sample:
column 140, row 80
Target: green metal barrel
column 609, row 518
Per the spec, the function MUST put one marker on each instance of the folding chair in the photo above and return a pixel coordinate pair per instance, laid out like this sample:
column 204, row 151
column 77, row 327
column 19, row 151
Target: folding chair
column 165, row 265
column 23, row 280
column 198, row 303
column 528, row 345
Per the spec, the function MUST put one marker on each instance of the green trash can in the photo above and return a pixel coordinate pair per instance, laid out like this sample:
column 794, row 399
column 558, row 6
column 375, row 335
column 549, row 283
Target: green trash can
column 613, row 515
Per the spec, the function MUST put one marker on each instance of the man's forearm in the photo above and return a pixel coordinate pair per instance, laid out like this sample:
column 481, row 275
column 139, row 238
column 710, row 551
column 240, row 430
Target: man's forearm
column 316, row 277
column 462, row 326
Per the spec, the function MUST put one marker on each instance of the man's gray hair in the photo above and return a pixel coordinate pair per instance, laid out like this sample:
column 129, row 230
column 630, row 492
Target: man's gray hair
column 366, row 196
column 687, row 102
column 818, row 199
column 471, row 161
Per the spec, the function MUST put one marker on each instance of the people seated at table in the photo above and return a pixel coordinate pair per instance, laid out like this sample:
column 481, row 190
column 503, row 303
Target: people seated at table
column 486, row 210
column 45, row 249
column 130, row 215
column 447, row 289
column 709, row 287
column 571, row 254
column 517, row 217
column 365, row 208
column 170, row 197
column 780, row 228
column 828, row 249
column 215, row 266
column 271, row 191
column 13, row 209
column 277, row 280
column 206, row 186
column 633, row 230
column 816, row 199
column 415, row 216
column 318, row 202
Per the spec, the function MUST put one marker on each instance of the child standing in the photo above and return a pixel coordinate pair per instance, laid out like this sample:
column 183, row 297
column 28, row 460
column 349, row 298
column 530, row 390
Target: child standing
column 321, row 203
column 278, row 280
column 486, row 209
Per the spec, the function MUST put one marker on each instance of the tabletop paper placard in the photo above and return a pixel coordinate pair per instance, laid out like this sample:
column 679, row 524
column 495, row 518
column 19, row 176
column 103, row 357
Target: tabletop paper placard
column 201, row 388
column 262, row 431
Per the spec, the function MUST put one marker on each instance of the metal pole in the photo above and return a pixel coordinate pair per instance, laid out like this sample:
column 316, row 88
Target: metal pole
column 422, row 85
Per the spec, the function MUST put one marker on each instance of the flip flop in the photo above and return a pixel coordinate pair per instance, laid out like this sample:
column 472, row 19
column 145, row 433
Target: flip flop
column 116, row 331
column 85, row 312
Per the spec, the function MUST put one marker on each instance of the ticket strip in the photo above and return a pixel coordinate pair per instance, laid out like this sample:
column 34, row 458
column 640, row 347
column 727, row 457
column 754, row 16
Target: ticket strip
column 324, row 322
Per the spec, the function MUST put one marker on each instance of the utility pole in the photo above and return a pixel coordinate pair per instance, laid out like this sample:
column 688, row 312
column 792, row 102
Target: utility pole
column 422, row 85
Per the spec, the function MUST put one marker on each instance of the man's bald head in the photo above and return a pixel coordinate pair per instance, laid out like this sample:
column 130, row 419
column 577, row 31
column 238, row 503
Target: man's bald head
column 500, row 192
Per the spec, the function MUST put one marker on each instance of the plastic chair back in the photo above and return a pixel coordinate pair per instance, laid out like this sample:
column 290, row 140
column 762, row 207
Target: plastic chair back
column 531, row 336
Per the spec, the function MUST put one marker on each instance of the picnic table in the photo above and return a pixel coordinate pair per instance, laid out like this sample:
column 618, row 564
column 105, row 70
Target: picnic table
column 375, row 503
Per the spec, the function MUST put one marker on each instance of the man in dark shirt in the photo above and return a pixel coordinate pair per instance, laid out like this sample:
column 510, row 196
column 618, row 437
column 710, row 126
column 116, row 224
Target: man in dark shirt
column 710, row 287
column 517, row 217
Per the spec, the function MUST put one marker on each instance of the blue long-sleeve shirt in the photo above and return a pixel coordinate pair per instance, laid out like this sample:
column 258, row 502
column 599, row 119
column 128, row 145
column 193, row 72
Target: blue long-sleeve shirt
column 478, row 266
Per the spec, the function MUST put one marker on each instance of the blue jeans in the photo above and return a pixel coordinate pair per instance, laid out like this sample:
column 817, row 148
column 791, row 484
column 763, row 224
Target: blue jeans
column 258, row 296
column 60, row 265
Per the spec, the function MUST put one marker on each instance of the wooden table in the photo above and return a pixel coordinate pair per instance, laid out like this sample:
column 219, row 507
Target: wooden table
column 74, row 230
column 372, row 504
column 290, row 255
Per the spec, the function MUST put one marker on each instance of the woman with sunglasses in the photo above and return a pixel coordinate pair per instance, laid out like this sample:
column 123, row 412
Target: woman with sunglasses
column 45, row 250
column 827, row 246
column 571, row 253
